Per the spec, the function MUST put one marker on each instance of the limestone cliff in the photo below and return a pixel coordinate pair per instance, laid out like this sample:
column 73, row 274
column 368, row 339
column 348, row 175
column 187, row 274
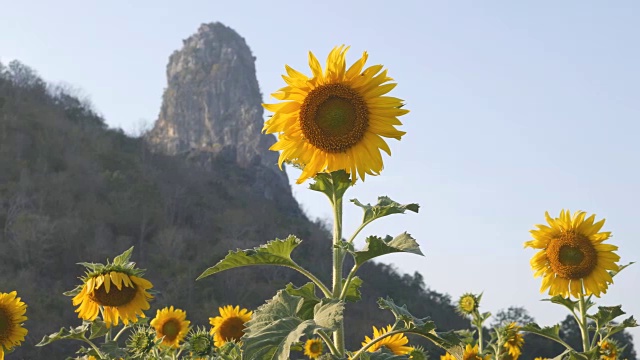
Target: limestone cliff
column 212, row 105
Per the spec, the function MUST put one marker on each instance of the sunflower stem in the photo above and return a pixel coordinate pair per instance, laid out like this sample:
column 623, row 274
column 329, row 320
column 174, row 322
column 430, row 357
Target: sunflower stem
column 327, row 340
column 583, row 323
column 338, row 258
column 120, row 332
column 95, row 348
column 479, row 326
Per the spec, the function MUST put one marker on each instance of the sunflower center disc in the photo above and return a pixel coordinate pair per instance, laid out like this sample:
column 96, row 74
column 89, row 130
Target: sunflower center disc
column 232, row 329
column 334, row 117
column 5, row 321
column 115, row 296
column 467, row 304
column 572, row 256
column 171, row 329
column 316, row 348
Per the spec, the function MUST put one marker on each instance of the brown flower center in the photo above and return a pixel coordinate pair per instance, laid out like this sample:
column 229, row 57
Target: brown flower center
column 115, row 296
column 572, row 256
column 232, row 329
column 171, row 329
column 315, row 347
column 334, row 117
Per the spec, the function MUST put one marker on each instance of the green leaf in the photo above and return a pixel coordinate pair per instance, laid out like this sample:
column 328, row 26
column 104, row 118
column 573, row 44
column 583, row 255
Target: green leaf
column 275, row 326
column 353, row 291
column 550, row 332
column 566, row 302
column 308, row 293
column 377, row 246
column 449, row 341
column 275, row 252
column 382, row 354
column 123, row 258
column 112, row 349
column 98, row 328
column 612, row 329
column 384, row 207
column 73, row 333
column 620, row 268
column 606, row 314
column 330, row 184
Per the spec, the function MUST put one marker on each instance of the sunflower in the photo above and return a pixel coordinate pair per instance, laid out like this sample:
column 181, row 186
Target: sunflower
column 336, row 119
column 447, row 356
column 471, row 353
column 313, row 348
column 229, row 326
column 171, row 325
column 573, row 260
column 608, row 350
column 395, row 343
column 514, row 340
column 119, row 294
column 141, row 342
column 468, row 304
column 12, row 312
column 200, row 343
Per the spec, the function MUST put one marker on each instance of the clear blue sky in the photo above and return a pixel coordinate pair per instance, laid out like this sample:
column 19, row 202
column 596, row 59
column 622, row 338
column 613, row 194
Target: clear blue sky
column 516, row 108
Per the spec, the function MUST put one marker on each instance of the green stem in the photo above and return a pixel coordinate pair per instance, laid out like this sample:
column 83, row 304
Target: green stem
column 325, row 290
column 347, row 282
column 583, row 323
column 327, row 340
column 120, row 332
column 480, row 343
column 353, row 237
column 93, row 346
column 338, row 258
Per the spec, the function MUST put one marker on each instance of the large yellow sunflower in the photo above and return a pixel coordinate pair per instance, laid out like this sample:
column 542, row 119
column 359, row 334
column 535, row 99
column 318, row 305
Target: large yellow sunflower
column 229, row 325
column 336, row 119
column 447, row 356
column 514, row 341
column 12, row 312
column 573, row 259
column 171, row 325
column 313, row 348
column 119, row 294
column 395, row 343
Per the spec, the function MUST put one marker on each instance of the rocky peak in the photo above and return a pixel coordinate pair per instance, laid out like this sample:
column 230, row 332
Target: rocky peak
column 212, row 103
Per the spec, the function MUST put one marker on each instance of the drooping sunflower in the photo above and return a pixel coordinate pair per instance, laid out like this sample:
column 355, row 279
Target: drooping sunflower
column 395, row 343
column 472, row 353
column 229, row 325
column 468, row 304
column 514, row 340
column 12, row 311
column 313, row 348
column 573, row 258
column 171, row 325
column 608, row 350
column 336, row 119
column 117, row 288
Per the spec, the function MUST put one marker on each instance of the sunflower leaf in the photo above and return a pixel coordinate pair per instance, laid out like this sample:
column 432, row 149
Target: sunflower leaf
column 308, row 293
column 550, row 332
column 382, row 354
column 331, row 184
column 72, row 333
column 123, row 258
column 611, row 329
column 98, row 328
column 275, row 252
column 449, row 341
column 377, row 246
column 353, row 291
column 566, row 302
column 276, row 326
column 384, row 207
column 620, row 268
column 606, row 314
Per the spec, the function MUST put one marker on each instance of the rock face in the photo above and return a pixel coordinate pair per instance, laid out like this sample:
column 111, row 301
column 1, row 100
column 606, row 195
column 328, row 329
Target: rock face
column 212, row 104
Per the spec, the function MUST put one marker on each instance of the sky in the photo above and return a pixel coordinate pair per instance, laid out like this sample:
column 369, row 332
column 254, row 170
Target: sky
column 517, row 108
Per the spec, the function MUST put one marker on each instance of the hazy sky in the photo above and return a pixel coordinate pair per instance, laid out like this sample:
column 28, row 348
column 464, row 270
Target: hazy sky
column 515, row 109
